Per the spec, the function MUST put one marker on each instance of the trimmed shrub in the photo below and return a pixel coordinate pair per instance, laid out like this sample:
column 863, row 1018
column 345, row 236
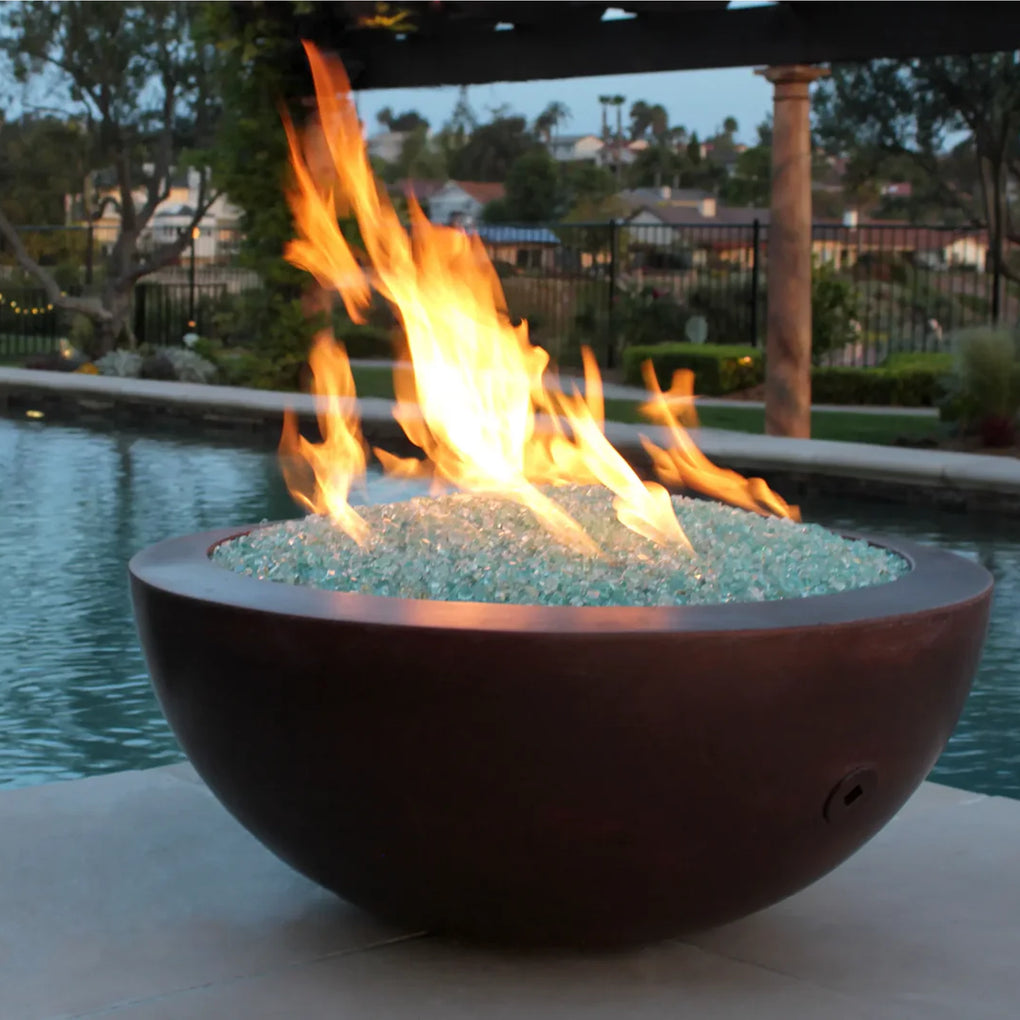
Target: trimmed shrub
column 717, row 368
column 895, row 387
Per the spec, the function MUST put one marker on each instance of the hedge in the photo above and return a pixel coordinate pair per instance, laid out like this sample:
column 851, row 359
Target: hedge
column 894, row 387
column 717, row 368
column 905, row 380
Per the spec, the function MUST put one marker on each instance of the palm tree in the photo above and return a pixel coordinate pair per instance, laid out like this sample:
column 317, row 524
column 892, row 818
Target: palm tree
column 605, row 102
column 550, row 119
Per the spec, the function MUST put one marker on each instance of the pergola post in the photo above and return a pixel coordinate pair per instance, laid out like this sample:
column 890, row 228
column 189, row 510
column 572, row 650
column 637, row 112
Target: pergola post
column 788, row 343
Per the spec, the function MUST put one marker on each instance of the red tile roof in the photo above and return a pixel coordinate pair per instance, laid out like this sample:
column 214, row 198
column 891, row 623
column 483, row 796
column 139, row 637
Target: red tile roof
column 482, row 191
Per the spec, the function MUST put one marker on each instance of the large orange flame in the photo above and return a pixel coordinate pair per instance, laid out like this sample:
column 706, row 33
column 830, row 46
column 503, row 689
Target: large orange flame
column 475, row 389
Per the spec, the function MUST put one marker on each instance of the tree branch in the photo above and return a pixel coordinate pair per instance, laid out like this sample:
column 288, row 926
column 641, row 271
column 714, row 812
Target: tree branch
column 86, row 306
column 168, row 253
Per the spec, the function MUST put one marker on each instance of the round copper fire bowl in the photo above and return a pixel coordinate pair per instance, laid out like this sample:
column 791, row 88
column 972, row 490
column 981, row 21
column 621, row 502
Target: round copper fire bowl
column 589, row 777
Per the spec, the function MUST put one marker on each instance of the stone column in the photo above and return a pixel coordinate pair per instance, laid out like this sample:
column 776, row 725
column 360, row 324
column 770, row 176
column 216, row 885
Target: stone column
column 788, row 344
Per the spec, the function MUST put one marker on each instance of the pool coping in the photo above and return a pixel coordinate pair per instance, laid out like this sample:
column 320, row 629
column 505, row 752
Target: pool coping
column 950, row 478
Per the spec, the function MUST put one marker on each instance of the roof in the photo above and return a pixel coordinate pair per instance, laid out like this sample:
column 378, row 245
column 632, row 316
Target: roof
column 647, row 197
column 691, row 215
column 422, row 190
column 483, row 192
column 463, row 43
column 498, row 233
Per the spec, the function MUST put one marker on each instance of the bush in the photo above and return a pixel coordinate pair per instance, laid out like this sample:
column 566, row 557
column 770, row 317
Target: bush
column 125, row 364
column 983, row 394
column 834, row 316
column 647, row 315
column 934, row 361
column 717, row 368
column 890, row 386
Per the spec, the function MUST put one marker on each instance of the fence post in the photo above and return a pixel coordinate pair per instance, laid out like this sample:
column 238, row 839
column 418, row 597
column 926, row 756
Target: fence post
column 191, row 281
column 611, row 318
column 996, row 289
column 755, row 241
column 88, row 252
column 140, row 289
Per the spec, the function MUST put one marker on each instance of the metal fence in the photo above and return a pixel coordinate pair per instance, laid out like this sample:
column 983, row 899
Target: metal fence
column 177, row 299
column 902, row 288
column 606, row 285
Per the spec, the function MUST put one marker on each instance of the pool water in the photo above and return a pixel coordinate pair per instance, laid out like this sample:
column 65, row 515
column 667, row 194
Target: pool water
column 76, row 504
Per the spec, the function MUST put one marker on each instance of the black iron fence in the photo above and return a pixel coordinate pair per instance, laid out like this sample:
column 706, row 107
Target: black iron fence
column 878, row 288
column 177, row 299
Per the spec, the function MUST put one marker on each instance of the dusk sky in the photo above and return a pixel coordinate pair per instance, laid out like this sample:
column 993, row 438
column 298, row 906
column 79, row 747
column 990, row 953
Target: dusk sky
column 699, row 100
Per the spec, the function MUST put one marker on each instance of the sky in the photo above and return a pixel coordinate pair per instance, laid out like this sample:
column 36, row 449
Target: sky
column 698, row 100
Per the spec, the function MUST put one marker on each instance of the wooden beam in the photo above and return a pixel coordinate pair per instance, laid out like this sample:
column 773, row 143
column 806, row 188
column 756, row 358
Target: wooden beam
column 785, row 33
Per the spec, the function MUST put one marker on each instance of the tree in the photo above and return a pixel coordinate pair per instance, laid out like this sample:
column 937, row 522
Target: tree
column 550, row 118
column 910, row 110
column 590, row 193
column 533, row 190
column 385, row 118
column 42, row 159
column 140, row 82
column 648, row 121
column 491, row 149
column 409, row 120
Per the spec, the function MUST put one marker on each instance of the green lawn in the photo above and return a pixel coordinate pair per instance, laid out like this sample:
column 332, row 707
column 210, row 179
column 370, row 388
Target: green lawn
column 843, row 425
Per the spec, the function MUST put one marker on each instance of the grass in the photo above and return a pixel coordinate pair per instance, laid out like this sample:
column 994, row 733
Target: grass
column 847, row 426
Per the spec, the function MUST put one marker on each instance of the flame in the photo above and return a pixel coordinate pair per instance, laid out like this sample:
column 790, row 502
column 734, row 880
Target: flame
column 474, row 398
column 683, row 464
column 320, row 475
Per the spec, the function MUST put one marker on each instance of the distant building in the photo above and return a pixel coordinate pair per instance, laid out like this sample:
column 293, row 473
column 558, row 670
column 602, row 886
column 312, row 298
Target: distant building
column 576, row 148
column 387, row 145
column 521, row 247
column 217, row 231
column 460, row 203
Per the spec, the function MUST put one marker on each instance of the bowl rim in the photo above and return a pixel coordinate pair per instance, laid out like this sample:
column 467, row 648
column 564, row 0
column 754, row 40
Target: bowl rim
column 182, row 567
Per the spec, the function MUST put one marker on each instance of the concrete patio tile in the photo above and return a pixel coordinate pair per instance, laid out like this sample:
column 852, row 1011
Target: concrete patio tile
column 928, row 914
column 431, row 979
column 133, row 885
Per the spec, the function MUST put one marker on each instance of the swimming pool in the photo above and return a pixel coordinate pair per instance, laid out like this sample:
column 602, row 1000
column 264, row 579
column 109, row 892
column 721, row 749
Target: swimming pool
column 76, row 504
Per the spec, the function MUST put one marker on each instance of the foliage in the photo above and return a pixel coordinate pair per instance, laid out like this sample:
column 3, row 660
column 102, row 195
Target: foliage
column 42, row 159
column 834, row 314
column 491, row 149
column 533, row 193
column 409, row 120
column 189, row 366
column 137, row 78
column 718, row 368
column 983, row 395
column 121, row 363
column 888, row 115
column 908, row 386
column 750, row 184
column 648, row 121
column 645, row 315
column 555, row 114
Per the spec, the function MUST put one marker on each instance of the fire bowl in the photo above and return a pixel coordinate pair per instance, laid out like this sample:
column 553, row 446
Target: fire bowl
column 590, row 777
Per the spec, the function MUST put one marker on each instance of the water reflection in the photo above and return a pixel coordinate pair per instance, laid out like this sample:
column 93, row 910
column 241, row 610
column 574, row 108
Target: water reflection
column 76, row 504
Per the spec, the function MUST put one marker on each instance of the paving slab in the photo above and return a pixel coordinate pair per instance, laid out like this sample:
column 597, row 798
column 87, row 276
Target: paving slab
column 136, row 896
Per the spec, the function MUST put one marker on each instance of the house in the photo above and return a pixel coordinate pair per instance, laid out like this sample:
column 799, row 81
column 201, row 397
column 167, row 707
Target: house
column 216, row 233
column 460, row 203
column 576, row 148
column 420, row 189
column 386, row 146
column 522, row 247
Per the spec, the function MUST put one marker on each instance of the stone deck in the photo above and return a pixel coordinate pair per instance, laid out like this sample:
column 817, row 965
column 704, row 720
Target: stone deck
column 136, row 896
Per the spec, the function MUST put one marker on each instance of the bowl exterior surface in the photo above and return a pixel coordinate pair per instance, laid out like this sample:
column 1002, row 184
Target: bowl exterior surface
column 580, row 777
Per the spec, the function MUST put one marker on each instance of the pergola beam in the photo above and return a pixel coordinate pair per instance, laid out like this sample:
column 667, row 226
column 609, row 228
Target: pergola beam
column 571, row 41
